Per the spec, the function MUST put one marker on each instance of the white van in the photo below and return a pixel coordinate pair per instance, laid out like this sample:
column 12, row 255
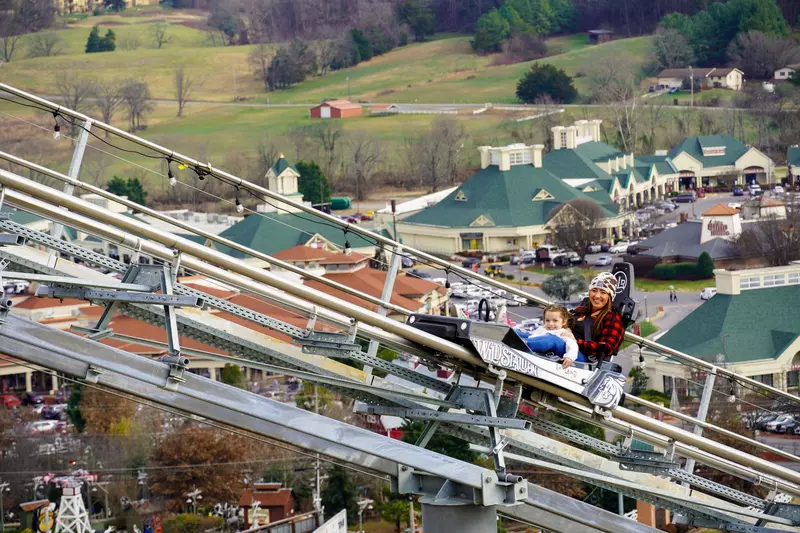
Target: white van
column 707, row 293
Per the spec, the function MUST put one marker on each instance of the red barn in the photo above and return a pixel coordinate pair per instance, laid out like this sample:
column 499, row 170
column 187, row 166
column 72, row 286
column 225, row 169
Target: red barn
column 335, row 109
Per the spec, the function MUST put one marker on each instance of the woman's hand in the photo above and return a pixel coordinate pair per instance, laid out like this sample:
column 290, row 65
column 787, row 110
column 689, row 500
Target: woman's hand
column 566, row 363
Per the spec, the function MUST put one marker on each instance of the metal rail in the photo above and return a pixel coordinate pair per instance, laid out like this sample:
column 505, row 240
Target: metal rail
column 91, row 226
column 197, row 231
column 240, row 183
column 36, row 343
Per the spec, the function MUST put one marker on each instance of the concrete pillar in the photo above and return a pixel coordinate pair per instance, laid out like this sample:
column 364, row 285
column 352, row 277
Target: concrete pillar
column 485, row 157
column 536, row 155
column 505, row 161
column 469, row 518
column 54, row 383
column 28, row 384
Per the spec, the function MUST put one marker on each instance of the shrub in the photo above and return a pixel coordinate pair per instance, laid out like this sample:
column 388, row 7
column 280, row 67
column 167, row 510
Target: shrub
column 97, row 12
column 677, row 271
column 504, row 258
column 652, row 395
column 705, row 266
column 403, row 40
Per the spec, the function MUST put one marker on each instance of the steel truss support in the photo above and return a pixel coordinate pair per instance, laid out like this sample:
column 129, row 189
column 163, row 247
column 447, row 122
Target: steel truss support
column 63, row 352
column 258, row 190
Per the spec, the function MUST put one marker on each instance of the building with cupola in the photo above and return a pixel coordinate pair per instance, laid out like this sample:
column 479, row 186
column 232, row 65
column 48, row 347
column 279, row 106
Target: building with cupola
column 508, row 203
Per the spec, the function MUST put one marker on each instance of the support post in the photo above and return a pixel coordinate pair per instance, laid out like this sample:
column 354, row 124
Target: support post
column 74, row 169
column 3, row 488
column 386, row 296
column 702, row 412
column 469, row 518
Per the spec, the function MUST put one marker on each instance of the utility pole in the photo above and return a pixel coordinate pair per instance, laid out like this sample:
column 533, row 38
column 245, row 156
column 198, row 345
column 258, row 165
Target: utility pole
column 411, row 514
column 4, row 487
column 234, row 83
column 317, row 493
column 348, row 87
column 691, row 80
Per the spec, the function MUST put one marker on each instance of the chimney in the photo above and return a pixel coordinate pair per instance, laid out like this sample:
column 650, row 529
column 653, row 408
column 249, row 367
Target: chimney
column 557, row 131
column 485, row 157
column 572, row 137
column 583, row 128
column 594, row 130
column 536, row 155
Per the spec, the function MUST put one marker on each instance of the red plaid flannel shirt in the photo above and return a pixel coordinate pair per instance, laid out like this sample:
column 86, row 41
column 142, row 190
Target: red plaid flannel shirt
column 611, row 336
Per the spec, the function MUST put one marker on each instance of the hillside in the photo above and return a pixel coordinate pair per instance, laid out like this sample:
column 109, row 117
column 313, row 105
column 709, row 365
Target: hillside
column 440, row 71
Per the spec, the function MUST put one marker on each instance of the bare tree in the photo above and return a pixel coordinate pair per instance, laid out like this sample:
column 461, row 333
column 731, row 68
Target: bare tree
column 326, row 50
column 185, row 84
column 777, row 240
column 159, row 33
column 46, row 44
column 260, row 59
column 672, row 50
column 452, row 135
column 759, row 55
column 266, row 155
column 10, row 33
column 614, row 84
column 129, row 43
column 365, row 155
column 328, row 136
column 576, row 224
column 109, row 99
column 136, row 96
column 97, row 166
column 75, row 91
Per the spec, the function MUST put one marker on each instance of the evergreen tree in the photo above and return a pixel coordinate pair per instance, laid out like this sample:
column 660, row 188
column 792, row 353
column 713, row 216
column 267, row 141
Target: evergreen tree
column 109, row 42
column 362, row 43
column 440, row 443
column 490, row 32
column 312, row 183
column 117, row 186
column 563, row 16
column 232, row 375
column 340, row 493
column 94, row 43
column 542, row 15
column 74, row 407
column 420, row 16
column 705, row 266
column 546, row 80
column 132, row 188
column 563, row 284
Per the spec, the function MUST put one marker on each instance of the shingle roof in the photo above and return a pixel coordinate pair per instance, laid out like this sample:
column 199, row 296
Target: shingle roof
column 756, row 324
column 718, row 72
column 597, row 151
column 684, row 241
column 684, row 73
column 662, row 162
column 318, row 255
column 281, row 165
column 572, row 164
column 721, row 210
column 273, row 232
column 505, row 198
column 693, row 147
column 341, row 104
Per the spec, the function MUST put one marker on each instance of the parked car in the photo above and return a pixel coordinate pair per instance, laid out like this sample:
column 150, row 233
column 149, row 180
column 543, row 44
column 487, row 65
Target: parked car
column 366, row 216
column 469, row 262
column 515, row 301
column 738, row 191
column 684, row 198
column 754, row 189
column 63, row 395
column 707, row 293
column 776, row 425
column 406, row 261
column 674, row 90
column 418, row 274
column 54, row 411
column 620, row 247
column 593, row 248
column 530, row 324
column 763, row 420
column 43, row 426
column 666, row 205
column 10, row 401
column 789, row 427
column 567, row 259
column 735, row 205
column 603, row 260
column 604, row 247
column 33, row 398
column 513, row 260
column 527, row 257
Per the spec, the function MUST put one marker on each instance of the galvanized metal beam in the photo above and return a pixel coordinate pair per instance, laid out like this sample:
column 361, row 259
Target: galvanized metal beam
column 452, row 418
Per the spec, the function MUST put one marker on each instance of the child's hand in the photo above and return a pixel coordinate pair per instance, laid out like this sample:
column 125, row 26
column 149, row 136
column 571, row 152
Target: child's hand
column 566, row 363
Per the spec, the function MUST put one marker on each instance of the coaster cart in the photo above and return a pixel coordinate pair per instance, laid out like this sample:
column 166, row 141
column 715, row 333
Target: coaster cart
column 501, row 347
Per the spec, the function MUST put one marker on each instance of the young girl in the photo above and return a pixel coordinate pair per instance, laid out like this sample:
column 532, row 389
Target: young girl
column 556, row 324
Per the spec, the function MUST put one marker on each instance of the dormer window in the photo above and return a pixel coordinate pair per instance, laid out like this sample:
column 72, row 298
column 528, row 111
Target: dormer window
column 589, row 188
column 543, row 195
column 494, row 158
column 460, row 196
column 563, row 139
column 519, row 158
column 482, row 221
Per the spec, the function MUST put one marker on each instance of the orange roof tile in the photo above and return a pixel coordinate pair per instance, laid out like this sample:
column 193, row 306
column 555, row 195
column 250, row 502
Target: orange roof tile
column 135, row 328
column 341, row 104
column 721, row 210
column 279, row 498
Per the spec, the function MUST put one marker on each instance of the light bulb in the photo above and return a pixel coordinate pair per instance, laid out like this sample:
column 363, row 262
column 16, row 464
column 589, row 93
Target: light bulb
column 642, row 362
column 347, row 249
column 447, row 284
column 56, row 131
column 239, row 206
column 732, row 398
column 173, row 181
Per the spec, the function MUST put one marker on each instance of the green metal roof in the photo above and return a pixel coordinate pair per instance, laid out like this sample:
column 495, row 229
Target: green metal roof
column 24, row 218
column 793, row 155
column 281, row 165
column 756, row 324
column 505, row 198
column 598, row 151
column 568, row 164
column 199, row 239
column 693, row 146
column 271, row 233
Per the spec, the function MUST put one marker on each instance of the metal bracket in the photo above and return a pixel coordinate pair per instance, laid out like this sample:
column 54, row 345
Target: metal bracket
column 177, row 367
column 327, row 344
column 439, row 416
column 11, row 239
column 495, row 490
column 644, row 461
column 93, row 374
column 95, row 295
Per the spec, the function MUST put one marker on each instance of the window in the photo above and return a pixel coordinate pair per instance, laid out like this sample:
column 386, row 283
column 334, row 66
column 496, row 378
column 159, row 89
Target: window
column 775, row 279
column 563, row 139
column 793, row 379
column 494, row 158
column 794, row 278
column 750, row 283
column 668, row 385
column 543, row 195
column 766, row 379
column 515, row 158
column 460, row 196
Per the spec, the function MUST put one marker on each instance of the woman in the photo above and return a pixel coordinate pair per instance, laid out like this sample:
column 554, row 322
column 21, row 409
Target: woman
column 598, row 327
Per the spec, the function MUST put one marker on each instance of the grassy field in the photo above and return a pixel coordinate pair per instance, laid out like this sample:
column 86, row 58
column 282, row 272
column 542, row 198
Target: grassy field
column 440, row 71
column 650, row 285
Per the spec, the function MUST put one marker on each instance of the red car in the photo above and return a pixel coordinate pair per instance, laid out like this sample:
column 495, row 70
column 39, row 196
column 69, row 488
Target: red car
column 10, row 401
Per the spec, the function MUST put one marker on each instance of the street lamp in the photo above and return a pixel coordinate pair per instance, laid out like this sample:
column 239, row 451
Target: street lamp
column 192, row 499
column 363, row 505
column 4, row 487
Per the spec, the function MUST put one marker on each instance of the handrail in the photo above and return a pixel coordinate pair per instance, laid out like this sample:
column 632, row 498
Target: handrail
column 256, row 189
